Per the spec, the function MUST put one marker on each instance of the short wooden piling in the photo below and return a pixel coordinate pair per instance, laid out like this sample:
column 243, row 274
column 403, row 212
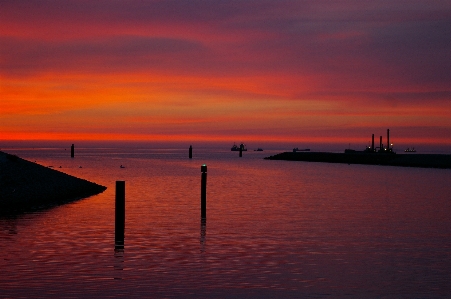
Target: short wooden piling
column 72, row 151
column 203, row 192
column 120, row 215
column 241, row 151
column 190, row 152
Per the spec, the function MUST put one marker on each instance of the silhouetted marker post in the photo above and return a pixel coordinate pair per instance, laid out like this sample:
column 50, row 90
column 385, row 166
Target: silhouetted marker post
column 120, row 215
column 72, row 151
column 190, row 152
column 203, row 192
column 241, row 151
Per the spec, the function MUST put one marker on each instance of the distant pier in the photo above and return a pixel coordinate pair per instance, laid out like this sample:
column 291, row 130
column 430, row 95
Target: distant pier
column 388, row 159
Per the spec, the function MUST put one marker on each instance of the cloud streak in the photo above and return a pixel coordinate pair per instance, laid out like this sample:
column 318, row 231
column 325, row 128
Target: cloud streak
column 375, row 55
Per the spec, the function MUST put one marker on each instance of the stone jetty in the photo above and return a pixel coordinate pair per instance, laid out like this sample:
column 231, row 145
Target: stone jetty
column 388, row 159
column 27, row 186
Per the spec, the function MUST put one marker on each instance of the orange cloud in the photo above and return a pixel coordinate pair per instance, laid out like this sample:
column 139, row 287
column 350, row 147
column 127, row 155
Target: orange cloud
column 218, row 71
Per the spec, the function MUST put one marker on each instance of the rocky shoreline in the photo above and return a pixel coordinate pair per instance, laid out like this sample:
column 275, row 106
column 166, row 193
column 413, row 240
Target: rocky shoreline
column 28, row 186
column 389, row 159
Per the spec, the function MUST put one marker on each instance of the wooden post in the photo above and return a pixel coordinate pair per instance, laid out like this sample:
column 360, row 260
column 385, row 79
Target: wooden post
column 203, row 192
column 120, row 215
column 190, row 152
column 241, row 151
column 72, row 151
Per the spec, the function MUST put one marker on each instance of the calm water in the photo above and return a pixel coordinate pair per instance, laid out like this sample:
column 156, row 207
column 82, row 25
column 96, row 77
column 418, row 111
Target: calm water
column 275, row 229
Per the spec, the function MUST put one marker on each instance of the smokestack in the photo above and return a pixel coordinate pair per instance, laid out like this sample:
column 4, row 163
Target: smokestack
column 388, row 139
column 380, row 145
column 372, row 143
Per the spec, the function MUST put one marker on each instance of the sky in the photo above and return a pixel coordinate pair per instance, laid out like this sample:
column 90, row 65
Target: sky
column 238, row 71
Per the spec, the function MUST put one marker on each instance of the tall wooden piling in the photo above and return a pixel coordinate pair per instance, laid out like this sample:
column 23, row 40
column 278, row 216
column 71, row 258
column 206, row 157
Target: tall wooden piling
column 203, row 192
column 190, row 151
column 72, row 151
column 120, row 214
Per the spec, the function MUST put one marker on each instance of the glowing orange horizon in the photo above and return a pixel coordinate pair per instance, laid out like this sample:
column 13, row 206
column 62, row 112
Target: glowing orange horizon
column 355, row 141
column 223, row 72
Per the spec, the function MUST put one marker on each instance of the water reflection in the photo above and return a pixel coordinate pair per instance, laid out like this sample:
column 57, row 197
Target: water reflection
column 306, row 230
column 8, row 227
column 203, row 234
column 118, row 263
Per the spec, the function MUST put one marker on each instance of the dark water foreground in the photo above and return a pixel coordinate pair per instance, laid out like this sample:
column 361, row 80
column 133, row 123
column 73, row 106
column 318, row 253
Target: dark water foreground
column 274, row 229
column 406, row 160
column 25, row 186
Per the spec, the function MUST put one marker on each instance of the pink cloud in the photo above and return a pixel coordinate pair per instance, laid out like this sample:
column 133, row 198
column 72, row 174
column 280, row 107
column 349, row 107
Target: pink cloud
column 374, row 55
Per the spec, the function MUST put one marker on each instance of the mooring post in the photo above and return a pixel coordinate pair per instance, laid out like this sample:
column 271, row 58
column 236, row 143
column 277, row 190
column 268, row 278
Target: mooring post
column 203, row 192
column 72, row 151
column 241, row 151
column 190, row 151
column 120, row 215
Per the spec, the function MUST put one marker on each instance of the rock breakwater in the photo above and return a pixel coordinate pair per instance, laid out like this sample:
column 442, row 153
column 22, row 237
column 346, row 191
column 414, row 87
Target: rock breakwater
column 26, row 186
column 389, row 159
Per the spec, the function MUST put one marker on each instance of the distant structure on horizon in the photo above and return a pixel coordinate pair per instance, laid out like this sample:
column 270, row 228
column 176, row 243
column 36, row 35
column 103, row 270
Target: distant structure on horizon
column 236, row 148
column 379, row 149
column 300, row 150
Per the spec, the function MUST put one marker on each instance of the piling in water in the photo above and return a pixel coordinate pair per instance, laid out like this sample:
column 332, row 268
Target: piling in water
column 203, row 192
column 190, row 152
column 120, row 215
column 72, row 151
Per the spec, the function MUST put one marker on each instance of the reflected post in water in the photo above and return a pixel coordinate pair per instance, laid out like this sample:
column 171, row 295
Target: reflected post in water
column 120, row 215
column 203, row 207
column 203, row 234
column 118, row 263
column 203, row 192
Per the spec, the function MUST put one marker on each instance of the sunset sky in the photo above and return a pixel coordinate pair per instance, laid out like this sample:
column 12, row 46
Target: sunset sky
column 238, row 71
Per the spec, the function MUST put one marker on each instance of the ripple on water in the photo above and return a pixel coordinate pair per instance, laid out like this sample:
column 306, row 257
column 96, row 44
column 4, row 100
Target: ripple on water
column 274, row 229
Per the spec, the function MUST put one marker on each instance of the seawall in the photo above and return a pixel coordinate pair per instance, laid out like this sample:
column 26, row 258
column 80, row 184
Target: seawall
column 389, row 159
column 27, row 186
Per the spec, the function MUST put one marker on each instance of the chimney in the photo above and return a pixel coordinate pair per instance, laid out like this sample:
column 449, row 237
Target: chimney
column 372, row 143
column 388, row 139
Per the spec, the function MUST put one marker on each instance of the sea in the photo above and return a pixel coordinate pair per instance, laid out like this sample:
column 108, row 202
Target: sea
column 273, row 229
